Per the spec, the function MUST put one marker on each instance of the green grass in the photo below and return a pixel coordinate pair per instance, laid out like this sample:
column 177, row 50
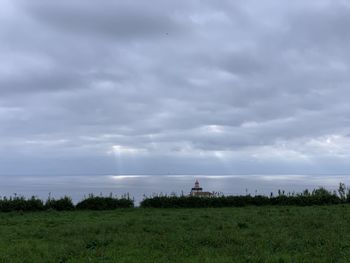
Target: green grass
column 249, row 234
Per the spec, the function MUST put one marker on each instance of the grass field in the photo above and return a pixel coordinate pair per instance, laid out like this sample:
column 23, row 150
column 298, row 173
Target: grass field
column 249, row 234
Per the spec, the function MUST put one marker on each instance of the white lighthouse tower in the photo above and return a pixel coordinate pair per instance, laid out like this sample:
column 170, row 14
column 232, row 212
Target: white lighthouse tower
column 196, row 190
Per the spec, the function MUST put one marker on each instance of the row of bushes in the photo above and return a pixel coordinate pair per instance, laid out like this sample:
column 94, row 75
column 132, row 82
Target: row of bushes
column 317, row 197
column 64, row 204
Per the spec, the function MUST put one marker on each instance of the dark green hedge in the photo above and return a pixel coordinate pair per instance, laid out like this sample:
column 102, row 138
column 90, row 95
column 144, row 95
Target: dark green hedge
column 63, row 204
column 317, row 197
column 104, row 203
column 21, row 204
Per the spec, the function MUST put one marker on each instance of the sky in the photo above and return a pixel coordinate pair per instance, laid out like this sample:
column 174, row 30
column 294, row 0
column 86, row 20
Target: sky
column 174, row 87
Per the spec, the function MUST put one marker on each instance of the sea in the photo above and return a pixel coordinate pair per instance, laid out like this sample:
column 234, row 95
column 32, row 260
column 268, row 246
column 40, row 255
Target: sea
column 140, row 186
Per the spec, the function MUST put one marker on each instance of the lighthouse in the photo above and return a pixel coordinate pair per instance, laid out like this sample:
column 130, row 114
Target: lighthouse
column 198, row 191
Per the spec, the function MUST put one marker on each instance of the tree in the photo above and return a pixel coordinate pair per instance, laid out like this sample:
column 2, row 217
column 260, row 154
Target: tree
column 341, row 191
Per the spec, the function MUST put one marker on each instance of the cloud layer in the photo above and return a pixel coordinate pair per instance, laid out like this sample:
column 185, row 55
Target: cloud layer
column 185, row 87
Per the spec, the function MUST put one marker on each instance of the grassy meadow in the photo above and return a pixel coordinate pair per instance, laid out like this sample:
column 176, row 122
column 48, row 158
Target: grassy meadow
column 247, row 234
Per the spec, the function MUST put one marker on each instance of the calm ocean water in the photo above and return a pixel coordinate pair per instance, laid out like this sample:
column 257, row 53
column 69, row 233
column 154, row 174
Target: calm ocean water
column 140, row 185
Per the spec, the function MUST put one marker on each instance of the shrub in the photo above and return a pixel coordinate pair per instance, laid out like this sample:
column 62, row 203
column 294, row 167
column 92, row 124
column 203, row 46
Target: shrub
column 21, row 204
column 318, row 196
column 64, row 203
column 104, row 203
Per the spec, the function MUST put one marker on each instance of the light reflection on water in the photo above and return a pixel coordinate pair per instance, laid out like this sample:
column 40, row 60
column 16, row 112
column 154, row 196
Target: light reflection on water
column 139, row 185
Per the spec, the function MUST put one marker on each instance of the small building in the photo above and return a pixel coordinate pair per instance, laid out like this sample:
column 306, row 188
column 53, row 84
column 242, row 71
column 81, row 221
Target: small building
column 198, row 191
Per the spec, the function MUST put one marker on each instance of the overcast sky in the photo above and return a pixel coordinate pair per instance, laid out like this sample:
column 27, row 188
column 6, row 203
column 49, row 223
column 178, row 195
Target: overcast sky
column 185, row 87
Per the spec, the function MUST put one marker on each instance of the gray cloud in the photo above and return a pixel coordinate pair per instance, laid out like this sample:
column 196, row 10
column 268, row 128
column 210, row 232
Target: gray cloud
column 107, row 19
column 147, row 87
